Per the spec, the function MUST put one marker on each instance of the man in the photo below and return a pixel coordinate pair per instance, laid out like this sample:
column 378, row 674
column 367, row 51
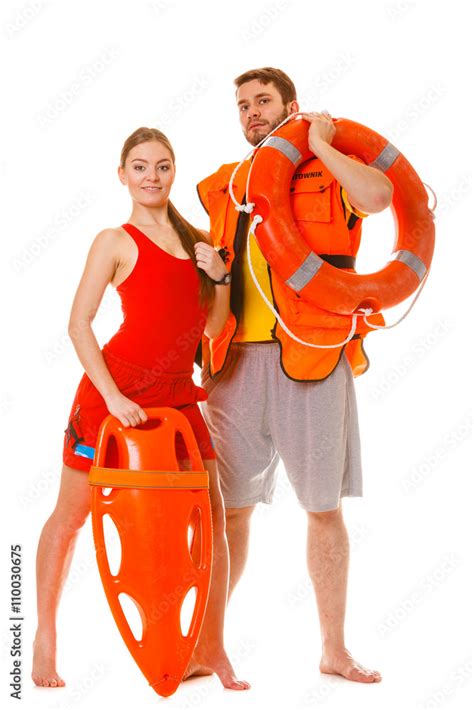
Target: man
column 270, row 397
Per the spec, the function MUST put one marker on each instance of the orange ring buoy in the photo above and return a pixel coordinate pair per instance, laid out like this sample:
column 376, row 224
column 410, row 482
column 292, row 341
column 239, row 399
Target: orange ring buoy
column 283, row 245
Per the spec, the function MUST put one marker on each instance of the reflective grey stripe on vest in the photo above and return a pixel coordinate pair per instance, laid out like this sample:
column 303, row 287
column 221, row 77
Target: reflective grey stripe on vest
column 305, row 272
column 411, row 260
column 285, row 147
column 386, row 158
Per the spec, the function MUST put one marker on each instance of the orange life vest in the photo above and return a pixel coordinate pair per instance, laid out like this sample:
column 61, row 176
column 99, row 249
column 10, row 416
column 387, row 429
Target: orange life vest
column 320, row 215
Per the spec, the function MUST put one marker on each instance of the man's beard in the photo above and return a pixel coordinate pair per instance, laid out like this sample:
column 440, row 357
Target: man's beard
column 255, row 137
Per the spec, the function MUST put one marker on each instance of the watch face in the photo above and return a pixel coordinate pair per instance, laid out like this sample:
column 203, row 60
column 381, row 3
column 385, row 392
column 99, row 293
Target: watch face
column 225, row 279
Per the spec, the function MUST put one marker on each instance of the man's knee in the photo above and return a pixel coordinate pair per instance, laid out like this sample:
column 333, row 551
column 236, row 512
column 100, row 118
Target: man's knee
column 325, row 516
column 238, row 516
column 218, row 520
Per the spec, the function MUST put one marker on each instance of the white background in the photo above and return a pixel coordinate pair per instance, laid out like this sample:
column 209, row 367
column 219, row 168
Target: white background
column 79, row 77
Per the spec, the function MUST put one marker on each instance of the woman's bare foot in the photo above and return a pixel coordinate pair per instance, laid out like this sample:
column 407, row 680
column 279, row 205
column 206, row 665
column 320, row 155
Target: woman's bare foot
column 340, row 662
column 44, row 662
column 206, row 661
column 195, row 669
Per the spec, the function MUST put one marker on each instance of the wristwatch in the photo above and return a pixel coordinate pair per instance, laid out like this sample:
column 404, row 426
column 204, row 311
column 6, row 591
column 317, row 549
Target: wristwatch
column 226, row 279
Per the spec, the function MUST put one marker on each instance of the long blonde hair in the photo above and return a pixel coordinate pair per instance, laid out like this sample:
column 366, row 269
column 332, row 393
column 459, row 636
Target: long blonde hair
column 188, row 234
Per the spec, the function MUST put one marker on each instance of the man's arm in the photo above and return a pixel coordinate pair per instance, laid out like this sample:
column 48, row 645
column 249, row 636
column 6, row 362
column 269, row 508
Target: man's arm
column 350, row 209
column 368, row 189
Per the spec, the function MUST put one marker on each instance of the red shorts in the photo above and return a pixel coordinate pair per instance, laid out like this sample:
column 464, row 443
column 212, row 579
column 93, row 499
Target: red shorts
column 145, row 388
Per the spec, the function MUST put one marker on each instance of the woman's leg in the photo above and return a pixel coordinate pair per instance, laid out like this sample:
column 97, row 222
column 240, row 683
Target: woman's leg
column 53, row 560
column 209, row 655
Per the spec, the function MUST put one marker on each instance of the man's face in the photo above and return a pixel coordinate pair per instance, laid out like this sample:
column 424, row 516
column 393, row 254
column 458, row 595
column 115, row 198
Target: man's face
column 261, row 108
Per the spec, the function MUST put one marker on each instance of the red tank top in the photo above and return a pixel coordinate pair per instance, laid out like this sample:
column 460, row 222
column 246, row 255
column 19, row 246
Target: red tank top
column 163, row 321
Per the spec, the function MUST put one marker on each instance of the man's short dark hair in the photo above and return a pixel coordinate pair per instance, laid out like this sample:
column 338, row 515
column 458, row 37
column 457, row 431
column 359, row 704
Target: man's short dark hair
column 282, row 81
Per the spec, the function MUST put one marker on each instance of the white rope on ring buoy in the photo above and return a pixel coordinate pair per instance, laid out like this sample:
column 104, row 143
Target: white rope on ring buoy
column 249, row 208
column 368, row 311
column 256, row 220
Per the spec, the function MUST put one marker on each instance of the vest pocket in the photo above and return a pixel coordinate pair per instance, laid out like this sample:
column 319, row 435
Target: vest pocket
column 311, row 206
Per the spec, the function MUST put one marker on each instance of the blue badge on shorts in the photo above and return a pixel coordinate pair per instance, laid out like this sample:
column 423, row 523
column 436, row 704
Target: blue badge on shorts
column 85, row 451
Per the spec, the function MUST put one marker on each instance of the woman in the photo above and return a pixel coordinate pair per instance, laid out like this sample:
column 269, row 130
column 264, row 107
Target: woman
column 165, row 272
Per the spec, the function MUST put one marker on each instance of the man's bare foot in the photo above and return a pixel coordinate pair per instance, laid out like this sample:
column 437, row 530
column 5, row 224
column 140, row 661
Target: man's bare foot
column 209, row 661
column 341, row 663
column 44, row 662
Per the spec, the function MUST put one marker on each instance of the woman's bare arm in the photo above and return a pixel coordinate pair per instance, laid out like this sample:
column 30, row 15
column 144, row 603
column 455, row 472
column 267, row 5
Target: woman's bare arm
column 210, row 261
column 101, row 264
column 219, row 312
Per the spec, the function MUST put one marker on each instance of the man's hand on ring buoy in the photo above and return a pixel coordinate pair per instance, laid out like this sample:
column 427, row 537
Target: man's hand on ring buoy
column 321, row 128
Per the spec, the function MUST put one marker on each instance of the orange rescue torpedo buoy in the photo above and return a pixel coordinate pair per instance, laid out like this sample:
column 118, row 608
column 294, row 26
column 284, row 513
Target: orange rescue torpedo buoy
column 154, row 507
column 284, row 248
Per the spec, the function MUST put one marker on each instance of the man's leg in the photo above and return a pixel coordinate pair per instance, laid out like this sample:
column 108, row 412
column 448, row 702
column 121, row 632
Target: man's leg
column 235, row 413
column 319, row 443
column 328, row 566
column 238, row 533
column 209, row 654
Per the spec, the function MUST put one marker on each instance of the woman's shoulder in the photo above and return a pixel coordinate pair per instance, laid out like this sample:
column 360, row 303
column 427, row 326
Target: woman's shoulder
column 111, row 242
column 111, row 237
column 110, row 234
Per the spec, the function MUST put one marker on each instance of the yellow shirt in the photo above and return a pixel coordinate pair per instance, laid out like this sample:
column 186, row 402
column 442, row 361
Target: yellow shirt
column 257, row 320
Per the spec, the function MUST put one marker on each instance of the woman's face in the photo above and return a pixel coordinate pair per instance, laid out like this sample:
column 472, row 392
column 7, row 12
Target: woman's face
column 148, row 173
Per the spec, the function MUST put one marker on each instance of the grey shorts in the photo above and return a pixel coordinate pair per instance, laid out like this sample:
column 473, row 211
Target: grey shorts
column 257, row 415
